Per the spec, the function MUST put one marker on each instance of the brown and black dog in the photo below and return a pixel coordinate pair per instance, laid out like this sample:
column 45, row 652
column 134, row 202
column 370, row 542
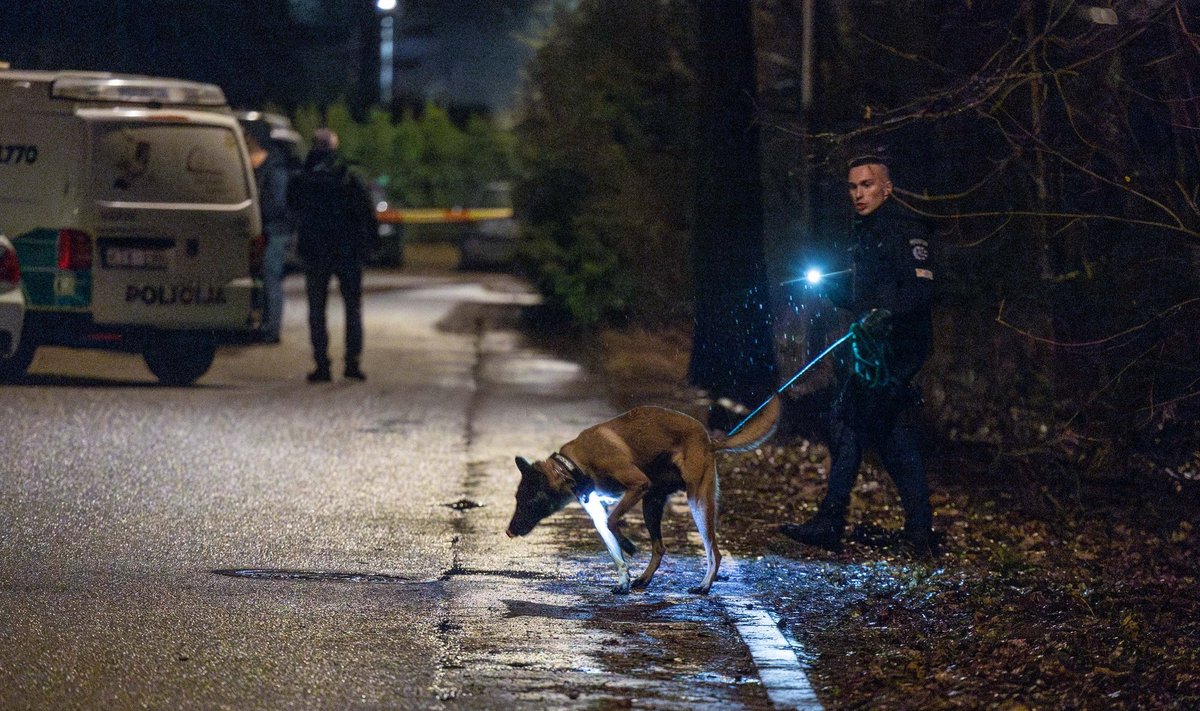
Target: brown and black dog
column 647, row 453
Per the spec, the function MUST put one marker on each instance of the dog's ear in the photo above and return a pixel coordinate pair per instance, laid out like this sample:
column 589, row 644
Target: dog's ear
column 525, row 467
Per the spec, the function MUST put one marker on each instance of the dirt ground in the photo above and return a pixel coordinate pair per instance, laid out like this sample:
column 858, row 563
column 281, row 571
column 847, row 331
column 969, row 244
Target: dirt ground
column 1069, row 594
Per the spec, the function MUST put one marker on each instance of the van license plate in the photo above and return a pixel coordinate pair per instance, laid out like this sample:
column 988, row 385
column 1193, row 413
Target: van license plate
column 136, row 258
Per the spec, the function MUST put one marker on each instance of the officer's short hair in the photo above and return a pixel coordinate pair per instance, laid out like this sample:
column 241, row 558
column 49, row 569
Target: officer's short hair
column 876, row 158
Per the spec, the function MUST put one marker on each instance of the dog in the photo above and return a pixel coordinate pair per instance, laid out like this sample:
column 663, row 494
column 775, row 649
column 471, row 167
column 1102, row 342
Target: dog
column 646, row 454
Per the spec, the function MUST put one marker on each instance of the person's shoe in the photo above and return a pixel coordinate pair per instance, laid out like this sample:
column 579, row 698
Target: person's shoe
column 320, row 375
column 817, row 532
column 354, row 373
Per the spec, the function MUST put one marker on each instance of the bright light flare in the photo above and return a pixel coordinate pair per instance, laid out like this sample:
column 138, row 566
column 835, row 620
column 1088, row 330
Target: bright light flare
column 813, row 276
column 599, row 515
column 386, row 5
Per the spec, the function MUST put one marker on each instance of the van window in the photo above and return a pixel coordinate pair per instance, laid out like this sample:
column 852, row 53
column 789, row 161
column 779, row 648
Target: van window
column 167, row 163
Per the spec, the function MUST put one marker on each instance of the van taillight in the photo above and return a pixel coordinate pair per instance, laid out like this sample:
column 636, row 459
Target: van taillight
column 258, row 248
column 74, row 250
column 10, row 268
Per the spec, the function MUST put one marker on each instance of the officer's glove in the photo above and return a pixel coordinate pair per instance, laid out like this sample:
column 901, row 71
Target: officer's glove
column 871, row 349
column 876, row 324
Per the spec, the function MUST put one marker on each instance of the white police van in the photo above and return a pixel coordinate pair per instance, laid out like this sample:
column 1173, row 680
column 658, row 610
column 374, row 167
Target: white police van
column 131, row 203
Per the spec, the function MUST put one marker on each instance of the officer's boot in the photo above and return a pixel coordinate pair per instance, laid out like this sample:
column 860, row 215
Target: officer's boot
column 824, row 530
column 902, row 457
column 920, row 539
column 353, row 371
column 321, row 374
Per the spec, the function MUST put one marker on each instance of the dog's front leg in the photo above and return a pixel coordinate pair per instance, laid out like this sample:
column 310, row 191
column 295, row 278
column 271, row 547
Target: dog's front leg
column 636, row 485
column 599, row 516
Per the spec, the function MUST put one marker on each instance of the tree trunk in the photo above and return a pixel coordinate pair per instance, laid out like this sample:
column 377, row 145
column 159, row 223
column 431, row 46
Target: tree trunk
column 733, row 349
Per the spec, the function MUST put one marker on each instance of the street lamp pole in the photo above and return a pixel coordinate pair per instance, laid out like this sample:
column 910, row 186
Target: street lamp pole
column 391, row 11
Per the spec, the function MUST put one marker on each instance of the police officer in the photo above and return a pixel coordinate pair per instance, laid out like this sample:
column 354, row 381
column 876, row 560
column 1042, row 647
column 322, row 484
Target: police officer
column 271, row 173
column 889, row 292
column 336, row 233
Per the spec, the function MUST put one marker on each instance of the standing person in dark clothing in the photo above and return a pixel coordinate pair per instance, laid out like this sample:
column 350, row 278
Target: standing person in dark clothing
column 271, row 173
column 336, row 231
column 889, row 292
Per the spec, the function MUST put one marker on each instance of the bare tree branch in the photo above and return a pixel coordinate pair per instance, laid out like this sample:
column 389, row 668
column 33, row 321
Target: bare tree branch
column 1097, row 342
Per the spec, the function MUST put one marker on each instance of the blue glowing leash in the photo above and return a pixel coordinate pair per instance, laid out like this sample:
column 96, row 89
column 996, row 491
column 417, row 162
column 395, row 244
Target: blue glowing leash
column 802, row 371
column 871, row 358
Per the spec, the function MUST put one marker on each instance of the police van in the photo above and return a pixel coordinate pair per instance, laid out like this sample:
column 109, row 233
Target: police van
column 131, row 204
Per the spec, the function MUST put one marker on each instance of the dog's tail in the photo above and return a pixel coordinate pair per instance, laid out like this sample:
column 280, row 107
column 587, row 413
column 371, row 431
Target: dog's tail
column 758, row 430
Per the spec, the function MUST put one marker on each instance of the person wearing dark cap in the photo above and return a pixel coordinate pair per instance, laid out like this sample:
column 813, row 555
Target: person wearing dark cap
column 335, row 231
column 271, row 174
column 889, row 293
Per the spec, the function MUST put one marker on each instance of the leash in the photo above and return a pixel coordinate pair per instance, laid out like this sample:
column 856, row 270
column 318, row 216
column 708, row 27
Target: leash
column 794, row 378
column 871, row 355
column 871, row 358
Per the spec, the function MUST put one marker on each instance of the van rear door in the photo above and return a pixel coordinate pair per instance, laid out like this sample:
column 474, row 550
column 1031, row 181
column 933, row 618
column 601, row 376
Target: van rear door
column 175, row 215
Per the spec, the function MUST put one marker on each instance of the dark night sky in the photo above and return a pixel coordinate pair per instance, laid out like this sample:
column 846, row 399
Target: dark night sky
column 283, row 51
column 470, row 50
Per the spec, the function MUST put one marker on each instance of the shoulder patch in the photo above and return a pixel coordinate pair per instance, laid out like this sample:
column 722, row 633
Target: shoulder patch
column 920, row 249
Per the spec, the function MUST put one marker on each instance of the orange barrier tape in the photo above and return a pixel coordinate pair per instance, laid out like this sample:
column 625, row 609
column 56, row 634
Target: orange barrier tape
column 432, row 215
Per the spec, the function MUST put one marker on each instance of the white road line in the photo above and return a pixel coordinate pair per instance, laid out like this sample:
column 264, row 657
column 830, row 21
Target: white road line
column 781, row 671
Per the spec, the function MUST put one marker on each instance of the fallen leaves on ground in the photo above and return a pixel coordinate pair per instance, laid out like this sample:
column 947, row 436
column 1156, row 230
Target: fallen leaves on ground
column 1051, row 590
column 1088, row 604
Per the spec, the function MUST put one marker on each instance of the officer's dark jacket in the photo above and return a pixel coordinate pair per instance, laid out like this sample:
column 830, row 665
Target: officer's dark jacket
column 272, row 179
column 336, row 221
column 893, row 270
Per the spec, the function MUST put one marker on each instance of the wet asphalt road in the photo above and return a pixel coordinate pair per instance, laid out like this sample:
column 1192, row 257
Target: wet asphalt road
column 259, row 542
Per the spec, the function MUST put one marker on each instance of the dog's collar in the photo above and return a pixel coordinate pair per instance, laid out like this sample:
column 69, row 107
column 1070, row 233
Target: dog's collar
column 579, row 480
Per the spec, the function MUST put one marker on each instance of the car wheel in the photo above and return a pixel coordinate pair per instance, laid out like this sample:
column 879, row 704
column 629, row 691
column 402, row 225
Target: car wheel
column 178, row 359
column 13, row 367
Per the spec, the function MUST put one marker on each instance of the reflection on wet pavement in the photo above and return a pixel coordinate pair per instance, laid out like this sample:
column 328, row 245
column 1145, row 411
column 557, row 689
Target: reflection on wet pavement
column 564, row 641
column 531, row 622
column 539, row 373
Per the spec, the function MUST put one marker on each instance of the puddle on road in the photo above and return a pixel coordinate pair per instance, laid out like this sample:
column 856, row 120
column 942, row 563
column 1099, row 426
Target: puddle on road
column 668, row 613
column 707, row 677
column 524, row 608
column 315, row 576
column 333, row 576
column 645, row 611
column 458, row 570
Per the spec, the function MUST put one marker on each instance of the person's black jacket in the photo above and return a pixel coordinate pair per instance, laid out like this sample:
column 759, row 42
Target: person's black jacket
column 272, row 179
column 893, row 270
column 335, row 218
